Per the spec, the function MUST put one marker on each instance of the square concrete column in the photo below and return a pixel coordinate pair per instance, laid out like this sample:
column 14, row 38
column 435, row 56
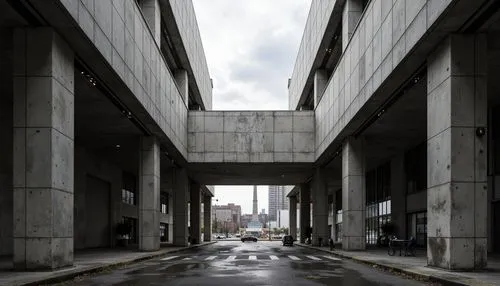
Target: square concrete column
column 152, row 14
column 43, row 150
column 207, row 218
column 333, row 233
column 149, row 195
column 457, row 153
column 181, row 198
column 195, row 206
column 353, row 195
column 398, row 195
column 320, row 209
column 182, row 81
column 305, row 211
column 320, row 81
column 353, row 9
column 293, row 217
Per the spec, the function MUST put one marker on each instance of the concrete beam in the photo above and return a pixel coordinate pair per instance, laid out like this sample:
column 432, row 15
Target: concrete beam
column 457, row 153
column 43, row 150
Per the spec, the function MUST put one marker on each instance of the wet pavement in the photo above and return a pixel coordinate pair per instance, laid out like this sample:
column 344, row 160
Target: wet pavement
column 237, row 263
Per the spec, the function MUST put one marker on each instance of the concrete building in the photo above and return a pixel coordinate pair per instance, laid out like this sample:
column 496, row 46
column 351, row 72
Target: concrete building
column 106, row 118
column 276, row 201
column 226, row 218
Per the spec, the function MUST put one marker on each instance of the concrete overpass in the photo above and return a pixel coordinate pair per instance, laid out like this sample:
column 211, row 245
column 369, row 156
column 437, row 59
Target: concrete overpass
column 107, row 108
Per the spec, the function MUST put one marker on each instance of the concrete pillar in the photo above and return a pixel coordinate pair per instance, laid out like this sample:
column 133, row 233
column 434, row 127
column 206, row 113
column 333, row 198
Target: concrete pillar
column 305, row 211
column 152, row 14
column 6, row 144
column 195, row 207
column 43, row 150
column 182, row 81
column 333, row 233
column 398, row 195
column 181, row 198
column 207, row 218
column 320, row 209
column 353, row 195
column 457, row 153
column 353, row 9
column 149, row 195
column 320, row 81
column 293, row 216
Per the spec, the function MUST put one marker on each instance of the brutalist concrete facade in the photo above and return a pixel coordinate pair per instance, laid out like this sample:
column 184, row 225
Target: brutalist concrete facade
column 106, row 108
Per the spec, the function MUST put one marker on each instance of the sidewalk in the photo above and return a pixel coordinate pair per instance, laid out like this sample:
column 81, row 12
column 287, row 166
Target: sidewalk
column 417, row 266
column 87, row 261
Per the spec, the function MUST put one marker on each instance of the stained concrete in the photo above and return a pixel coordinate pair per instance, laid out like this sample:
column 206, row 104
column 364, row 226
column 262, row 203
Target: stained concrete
column 293, row 217
column 207, row 218
column 457, row 157
column 180, row 204
column 44, row 150
column 195, row 212
column 320, row 208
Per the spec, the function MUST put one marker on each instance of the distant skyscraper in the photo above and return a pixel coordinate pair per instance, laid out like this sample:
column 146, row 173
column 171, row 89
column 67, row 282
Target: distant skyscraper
column 254, row 211
column 277, row 201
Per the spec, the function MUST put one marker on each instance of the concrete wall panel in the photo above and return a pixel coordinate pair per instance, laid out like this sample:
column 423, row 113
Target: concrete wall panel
column 251, row 136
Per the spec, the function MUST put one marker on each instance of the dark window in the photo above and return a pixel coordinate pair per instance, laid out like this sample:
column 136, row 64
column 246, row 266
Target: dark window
column 129, row 189
column 164, row 203
column 163, row 232
column 417, row 227
column 133, row 233
column 416, row 168
column 378, row 201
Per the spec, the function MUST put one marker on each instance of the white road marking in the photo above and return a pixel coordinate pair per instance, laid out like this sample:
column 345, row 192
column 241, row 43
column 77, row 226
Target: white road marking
column 231, row 257
column 187, row 258
column 293, row 257
column 313, row 257
column 332, row 258
column 274, row 257
column 252, row 257
column 169, row 258
column 211, row 258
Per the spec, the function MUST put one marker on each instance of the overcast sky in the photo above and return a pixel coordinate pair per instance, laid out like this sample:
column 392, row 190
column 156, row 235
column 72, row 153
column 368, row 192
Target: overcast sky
column 250, row 48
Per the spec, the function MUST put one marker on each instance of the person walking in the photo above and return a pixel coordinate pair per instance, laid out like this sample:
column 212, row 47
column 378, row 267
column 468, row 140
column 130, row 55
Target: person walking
column 330, row 242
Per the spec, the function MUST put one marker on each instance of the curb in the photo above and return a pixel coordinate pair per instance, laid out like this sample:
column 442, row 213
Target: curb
column 95, row 269
column 430, row 278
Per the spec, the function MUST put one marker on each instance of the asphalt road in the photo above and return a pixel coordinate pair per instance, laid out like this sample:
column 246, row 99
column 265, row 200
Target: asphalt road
column 237, row 263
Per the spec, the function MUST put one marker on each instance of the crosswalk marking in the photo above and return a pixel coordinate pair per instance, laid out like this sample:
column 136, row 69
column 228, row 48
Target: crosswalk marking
column 332, row 258
column 187, row 258
column 211, row 258
column 231, row 257
column 252, row 257
column 169, row 258
column 274, row 257
column 313, row 257
column 293, row 257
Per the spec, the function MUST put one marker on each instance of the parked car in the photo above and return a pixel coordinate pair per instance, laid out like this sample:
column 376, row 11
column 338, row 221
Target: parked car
column 287, row 240
column 249, row 238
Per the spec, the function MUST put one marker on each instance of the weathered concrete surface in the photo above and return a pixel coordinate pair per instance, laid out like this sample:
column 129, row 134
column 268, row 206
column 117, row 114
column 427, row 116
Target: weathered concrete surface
column 44, row 150
column 353, row 195
column 457, row 157
column 353, row 9
column 251, row 136
column 149, row 195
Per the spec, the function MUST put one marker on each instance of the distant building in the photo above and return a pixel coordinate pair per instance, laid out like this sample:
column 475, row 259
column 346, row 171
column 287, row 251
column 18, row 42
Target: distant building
column 226, row 218
column 277, row 201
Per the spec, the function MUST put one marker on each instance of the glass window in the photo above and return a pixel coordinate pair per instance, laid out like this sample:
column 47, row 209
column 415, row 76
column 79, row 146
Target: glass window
column 128, row 189
column 164, row 203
